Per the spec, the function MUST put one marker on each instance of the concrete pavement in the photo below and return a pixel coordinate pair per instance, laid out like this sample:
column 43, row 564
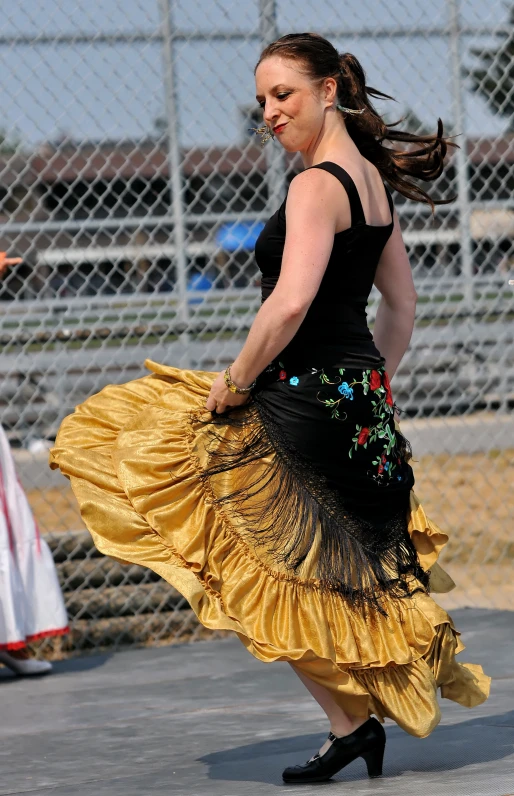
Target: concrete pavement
column 208, row 719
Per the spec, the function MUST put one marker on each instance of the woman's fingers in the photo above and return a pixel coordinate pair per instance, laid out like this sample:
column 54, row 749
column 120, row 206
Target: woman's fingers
column 10, row 260
column 6, row 262
column 212, row 405
column 220, row 399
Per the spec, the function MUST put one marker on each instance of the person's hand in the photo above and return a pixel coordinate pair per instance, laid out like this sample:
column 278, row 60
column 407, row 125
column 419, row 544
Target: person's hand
column 6, row 261
column 220, row 397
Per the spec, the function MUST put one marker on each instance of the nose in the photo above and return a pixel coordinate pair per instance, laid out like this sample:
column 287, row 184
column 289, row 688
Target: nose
column 270, row 113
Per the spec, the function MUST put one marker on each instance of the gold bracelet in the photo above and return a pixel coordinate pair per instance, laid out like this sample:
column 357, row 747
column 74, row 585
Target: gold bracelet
column 233, row 387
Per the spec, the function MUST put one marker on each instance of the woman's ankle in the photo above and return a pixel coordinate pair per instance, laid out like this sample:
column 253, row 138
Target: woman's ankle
column 352, row 723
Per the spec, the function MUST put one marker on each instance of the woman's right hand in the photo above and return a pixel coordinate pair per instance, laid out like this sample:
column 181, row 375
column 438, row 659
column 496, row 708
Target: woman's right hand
column 6, row 262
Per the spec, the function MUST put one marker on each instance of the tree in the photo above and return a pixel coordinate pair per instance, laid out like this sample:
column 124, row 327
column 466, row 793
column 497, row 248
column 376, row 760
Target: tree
column 10, row 142
column 494, row 79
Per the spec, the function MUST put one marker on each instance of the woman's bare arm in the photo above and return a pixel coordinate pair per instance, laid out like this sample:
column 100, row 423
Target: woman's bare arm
column 311, row 209
column 395, row 315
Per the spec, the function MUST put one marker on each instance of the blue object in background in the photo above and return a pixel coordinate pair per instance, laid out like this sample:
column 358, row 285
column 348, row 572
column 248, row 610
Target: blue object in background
column 239, row 235
column 198, row 282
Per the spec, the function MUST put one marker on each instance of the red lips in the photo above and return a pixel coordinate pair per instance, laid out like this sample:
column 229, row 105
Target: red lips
column 279, row 127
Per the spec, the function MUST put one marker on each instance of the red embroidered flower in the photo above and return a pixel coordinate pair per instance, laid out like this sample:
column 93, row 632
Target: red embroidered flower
column 363, row 436
column 374, row 380
column 282, row 375
column 389, row 395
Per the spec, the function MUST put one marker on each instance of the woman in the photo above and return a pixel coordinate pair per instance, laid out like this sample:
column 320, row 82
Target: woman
column 277, row 496
column 31, row 603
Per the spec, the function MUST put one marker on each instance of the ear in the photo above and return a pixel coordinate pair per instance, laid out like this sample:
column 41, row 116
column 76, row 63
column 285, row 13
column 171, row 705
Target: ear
column 329, row 91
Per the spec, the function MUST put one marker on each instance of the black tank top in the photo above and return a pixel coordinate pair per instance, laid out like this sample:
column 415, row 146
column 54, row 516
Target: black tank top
column 335, row 329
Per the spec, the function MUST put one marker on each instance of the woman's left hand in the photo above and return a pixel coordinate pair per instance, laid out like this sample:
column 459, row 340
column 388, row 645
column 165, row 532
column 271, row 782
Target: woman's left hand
column 220, row 397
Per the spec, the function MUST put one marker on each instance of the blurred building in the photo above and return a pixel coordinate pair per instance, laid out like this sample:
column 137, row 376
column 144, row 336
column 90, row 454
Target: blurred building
column 97, row 218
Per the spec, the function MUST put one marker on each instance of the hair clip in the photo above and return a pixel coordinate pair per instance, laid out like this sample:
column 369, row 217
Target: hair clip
column 265, row 132
column 349, row 110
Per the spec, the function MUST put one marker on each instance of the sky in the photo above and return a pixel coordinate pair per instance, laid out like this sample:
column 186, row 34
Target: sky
column 96, row 90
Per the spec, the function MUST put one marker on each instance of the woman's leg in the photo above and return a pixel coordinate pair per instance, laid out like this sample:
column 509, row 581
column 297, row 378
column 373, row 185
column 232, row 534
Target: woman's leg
column 341, row 722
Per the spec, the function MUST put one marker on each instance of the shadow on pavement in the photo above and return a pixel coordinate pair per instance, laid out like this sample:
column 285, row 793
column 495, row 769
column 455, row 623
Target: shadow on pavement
column 81, row 664
column 448, row 748
column 72, row 665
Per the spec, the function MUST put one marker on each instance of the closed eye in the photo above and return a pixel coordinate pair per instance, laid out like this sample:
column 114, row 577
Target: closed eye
column 281, row 96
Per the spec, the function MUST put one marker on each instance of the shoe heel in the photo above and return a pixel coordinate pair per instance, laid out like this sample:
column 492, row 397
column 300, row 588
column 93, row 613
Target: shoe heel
column 374, row 760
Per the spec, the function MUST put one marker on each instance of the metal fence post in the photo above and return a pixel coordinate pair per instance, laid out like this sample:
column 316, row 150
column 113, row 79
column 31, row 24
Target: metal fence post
column 175, row 171
column 275, row 162
column 461, row 159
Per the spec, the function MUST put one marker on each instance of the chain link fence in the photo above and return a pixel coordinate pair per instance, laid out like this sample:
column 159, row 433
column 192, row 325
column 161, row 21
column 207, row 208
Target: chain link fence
column 132, row 188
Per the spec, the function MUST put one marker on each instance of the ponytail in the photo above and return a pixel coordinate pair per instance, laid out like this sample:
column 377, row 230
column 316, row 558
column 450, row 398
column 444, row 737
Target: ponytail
column 422, row 159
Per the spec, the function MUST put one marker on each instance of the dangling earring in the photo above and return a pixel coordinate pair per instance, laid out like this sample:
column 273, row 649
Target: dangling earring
column 349, row 110
column 265, row 133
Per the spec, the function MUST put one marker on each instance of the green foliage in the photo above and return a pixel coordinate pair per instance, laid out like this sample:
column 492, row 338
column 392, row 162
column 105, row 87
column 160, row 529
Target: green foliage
column 10, row 142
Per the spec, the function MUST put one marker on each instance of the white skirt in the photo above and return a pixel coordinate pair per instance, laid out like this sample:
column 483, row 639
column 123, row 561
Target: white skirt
column 31, row 603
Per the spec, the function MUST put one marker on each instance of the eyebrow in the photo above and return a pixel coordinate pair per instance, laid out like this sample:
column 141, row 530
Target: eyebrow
column 273, row 89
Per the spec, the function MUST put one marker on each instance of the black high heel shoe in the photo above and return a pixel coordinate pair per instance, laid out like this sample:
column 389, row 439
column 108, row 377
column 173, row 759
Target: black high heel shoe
column 367, row 741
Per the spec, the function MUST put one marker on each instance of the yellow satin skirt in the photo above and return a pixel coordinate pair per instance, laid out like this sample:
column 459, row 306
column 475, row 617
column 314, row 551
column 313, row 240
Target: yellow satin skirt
column 135, row 455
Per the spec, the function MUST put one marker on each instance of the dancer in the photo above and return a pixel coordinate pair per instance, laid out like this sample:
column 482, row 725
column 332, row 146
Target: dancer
column 278, row 496
column 31, row 604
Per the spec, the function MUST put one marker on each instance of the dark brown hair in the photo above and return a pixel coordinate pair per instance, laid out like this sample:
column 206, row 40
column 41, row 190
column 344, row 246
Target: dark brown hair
column 422, row 159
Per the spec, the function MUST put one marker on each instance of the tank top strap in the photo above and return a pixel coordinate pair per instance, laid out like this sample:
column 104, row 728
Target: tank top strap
column 344, row 178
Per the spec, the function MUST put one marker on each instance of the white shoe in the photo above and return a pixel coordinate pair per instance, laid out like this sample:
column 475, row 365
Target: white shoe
column 24, row 667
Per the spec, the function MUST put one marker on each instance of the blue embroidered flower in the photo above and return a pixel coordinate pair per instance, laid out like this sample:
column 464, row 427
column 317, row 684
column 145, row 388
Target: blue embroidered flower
column 345, row 390
column 294, row 380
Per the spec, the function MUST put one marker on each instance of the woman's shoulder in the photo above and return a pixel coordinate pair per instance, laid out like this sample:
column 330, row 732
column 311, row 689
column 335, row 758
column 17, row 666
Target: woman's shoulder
column 313, row 186
column 311, row 178
column 314, row 194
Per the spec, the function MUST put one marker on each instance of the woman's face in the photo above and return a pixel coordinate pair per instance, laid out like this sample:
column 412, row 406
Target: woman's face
column 293, row 106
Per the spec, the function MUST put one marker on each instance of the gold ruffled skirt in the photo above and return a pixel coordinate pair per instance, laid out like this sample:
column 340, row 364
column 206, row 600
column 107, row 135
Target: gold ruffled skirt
column 136, row 454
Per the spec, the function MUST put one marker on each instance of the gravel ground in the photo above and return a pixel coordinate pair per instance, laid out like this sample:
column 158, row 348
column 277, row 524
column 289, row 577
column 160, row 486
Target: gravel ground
column 469, row 496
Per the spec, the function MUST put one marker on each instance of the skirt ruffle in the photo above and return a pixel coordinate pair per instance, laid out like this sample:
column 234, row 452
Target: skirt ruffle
column 135, row 455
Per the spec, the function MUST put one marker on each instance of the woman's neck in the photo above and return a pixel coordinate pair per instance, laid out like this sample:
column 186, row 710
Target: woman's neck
column 335, row 143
